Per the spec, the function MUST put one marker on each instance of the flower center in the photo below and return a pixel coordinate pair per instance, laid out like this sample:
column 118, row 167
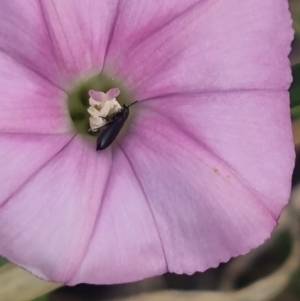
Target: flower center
column 93, row 101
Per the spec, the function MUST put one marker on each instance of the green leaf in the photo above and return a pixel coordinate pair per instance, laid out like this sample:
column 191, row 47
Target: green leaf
column 295, row 92
column 3, row 261
column 295, row 112
column 44, row 298
column 297, row 24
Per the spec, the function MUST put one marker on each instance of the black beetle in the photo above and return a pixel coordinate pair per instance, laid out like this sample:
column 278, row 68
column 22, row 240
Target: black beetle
column 109, row 132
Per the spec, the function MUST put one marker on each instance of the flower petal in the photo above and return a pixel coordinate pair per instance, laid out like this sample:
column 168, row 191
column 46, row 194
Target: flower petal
column 219, row 177
column 29, row 103
column 203, row 47
column 220, row 172
column 22, row 156
column 46, row 225
column 79, row 32
column 125, row 245
column 208, row 208
column 59, row 40
column 24, row 39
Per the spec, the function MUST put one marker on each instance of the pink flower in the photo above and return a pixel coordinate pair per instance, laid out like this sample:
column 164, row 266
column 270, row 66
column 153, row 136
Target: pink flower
column 203, row 167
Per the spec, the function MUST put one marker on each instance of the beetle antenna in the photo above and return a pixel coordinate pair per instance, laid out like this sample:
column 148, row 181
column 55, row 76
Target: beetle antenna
column 132, row 103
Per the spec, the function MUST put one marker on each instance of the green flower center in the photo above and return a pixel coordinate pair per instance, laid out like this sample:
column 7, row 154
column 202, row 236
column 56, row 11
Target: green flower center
column 78, row 100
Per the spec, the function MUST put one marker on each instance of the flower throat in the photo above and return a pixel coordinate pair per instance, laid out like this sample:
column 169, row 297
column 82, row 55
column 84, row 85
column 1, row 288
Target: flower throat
column 100, row 110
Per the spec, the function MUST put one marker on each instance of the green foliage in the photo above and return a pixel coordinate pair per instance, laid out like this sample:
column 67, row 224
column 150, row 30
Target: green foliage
column 297, row 25
column 295, row 284
column 44, row 298
column 295, row 92
column 3, row 261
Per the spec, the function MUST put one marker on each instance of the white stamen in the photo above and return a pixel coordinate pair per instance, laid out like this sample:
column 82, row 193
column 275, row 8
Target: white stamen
column 96, row 123
column 99, row 110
